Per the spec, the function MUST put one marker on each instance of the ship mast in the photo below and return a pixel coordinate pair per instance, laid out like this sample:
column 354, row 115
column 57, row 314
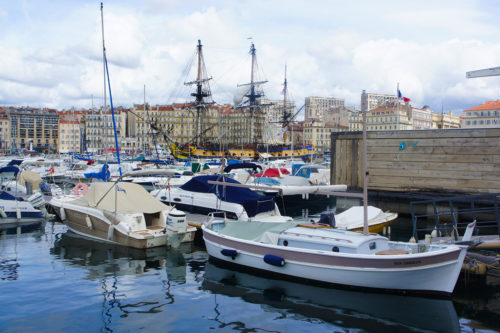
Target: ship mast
column 253, row 95
column 202, row 92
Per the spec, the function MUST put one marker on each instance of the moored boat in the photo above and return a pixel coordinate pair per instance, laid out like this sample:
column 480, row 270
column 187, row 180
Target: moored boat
column 336, row 256
column 122, row 213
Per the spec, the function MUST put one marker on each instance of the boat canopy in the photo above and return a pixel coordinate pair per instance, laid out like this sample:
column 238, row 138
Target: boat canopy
column 273, row 172
column 242, row 166
column 128, row 198
column 253, row 202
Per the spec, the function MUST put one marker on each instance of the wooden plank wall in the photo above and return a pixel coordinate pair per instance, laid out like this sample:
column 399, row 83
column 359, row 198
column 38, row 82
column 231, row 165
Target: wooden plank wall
column 451, row 160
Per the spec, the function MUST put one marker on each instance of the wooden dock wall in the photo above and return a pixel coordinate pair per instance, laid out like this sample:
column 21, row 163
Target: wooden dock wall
column 451, row 160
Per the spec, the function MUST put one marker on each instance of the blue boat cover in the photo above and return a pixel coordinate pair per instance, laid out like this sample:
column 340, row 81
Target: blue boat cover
column 7, row 196
column 15, row 162
column 10, row 168
column 104, row 174
column 253, row 203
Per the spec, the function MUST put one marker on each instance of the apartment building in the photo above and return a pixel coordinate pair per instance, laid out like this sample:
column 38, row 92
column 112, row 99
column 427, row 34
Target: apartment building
column 371, row 101
column 319, row 108
column 33, row 129
column 482, row 116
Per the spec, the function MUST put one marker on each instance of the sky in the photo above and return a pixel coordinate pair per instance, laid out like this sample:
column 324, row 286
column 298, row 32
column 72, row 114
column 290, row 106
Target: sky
column 51, row 50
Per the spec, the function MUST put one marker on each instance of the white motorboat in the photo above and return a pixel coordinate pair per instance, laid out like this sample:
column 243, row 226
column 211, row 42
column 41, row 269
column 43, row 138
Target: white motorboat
column 237, row 203
column 335, row 256
column 122, row 213
column 15, row 212
column 352, row 219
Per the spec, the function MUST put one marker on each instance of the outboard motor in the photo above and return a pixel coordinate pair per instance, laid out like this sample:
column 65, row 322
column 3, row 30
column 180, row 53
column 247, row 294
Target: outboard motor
column 328, row 219
column 176, row 220
column 176, row 227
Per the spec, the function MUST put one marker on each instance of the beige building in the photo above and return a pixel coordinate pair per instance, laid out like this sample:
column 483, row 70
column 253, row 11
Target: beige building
column 5, row 135
column 69, row 136
column 389, row 118
column 371, row 101
column 33, row 129
column 486, row 115
column 445, row 120
column 318, row 134
column 319, row 108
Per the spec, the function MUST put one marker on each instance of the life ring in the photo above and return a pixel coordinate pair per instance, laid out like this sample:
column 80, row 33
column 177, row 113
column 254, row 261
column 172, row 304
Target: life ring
column 81, row 186
column 51, row 170
column 402, row 146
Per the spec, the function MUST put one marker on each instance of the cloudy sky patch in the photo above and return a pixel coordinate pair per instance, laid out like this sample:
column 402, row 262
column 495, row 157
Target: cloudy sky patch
column 52, row 50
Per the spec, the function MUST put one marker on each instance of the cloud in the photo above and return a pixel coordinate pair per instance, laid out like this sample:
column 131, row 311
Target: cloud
column 330, row 50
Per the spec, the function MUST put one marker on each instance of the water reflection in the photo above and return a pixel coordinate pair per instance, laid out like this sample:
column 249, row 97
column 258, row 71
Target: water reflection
column 104, row 260
column 117, row 270
column 343, row 308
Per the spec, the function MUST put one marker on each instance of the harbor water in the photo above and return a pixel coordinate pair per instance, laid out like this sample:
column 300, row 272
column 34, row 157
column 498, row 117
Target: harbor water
column 52, row 280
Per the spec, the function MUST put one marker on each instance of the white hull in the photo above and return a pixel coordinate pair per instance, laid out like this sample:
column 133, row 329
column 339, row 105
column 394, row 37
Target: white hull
column 433, row 271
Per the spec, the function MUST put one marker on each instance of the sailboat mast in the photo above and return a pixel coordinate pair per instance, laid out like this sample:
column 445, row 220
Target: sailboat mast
column 103, row 112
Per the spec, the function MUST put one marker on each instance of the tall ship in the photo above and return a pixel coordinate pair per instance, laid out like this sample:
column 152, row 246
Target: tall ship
column 247, row 122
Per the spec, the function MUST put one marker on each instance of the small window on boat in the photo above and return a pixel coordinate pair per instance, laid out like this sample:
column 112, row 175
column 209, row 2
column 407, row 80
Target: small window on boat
column 335, row 249
column 163, row 198
column 285, row 242
column 177, row 199
column 373, row 246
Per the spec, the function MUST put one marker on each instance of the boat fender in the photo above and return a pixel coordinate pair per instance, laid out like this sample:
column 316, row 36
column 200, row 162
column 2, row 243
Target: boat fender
column 62, row 213
column 229, row 253
column 84, row 188
column 2, row 213
column 274, row 260
column 18, row 213
column 89, row 222
column 111, row 230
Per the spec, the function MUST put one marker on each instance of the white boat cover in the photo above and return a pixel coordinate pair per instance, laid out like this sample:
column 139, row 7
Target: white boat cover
column 130, row 198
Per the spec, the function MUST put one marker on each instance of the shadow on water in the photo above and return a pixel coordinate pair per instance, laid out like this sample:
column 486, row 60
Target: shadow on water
column 349, row 309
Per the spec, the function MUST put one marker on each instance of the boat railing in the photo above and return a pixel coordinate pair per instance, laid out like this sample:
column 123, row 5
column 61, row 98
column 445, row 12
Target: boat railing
column 449, row 216
column 213, row 215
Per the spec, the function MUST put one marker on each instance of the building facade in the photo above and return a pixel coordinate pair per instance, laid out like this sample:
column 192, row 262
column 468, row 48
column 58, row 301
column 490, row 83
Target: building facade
column 371, row 101
column 100, row 134
column 482, row 116
column 445, row 120
column 319, row 108
column 34, row 129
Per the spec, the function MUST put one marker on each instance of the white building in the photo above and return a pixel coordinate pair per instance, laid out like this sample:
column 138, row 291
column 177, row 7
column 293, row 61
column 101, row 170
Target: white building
column 319, row 107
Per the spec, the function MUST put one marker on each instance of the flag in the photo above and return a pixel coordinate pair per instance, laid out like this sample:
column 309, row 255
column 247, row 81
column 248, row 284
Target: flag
column 400, row 96
column 312, row 121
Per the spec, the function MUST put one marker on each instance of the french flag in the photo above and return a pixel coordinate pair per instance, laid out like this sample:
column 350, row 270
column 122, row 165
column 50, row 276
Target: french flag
column 400, row 96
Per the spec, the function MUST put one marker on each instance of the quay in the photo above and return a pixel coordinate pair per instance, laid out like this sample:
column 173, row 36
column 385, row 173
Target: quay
column 406, row 166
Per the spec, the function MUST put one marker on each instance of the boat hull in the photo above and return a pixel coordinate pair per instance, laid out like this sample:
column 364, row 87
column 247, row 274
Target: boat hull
column 431, row 273
column 77, row 222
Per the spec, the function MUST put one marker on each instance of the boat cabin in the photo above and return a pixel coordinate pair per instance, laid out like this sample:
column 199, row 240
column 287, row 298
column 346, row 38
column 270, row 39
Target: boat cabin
column 328, row 239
